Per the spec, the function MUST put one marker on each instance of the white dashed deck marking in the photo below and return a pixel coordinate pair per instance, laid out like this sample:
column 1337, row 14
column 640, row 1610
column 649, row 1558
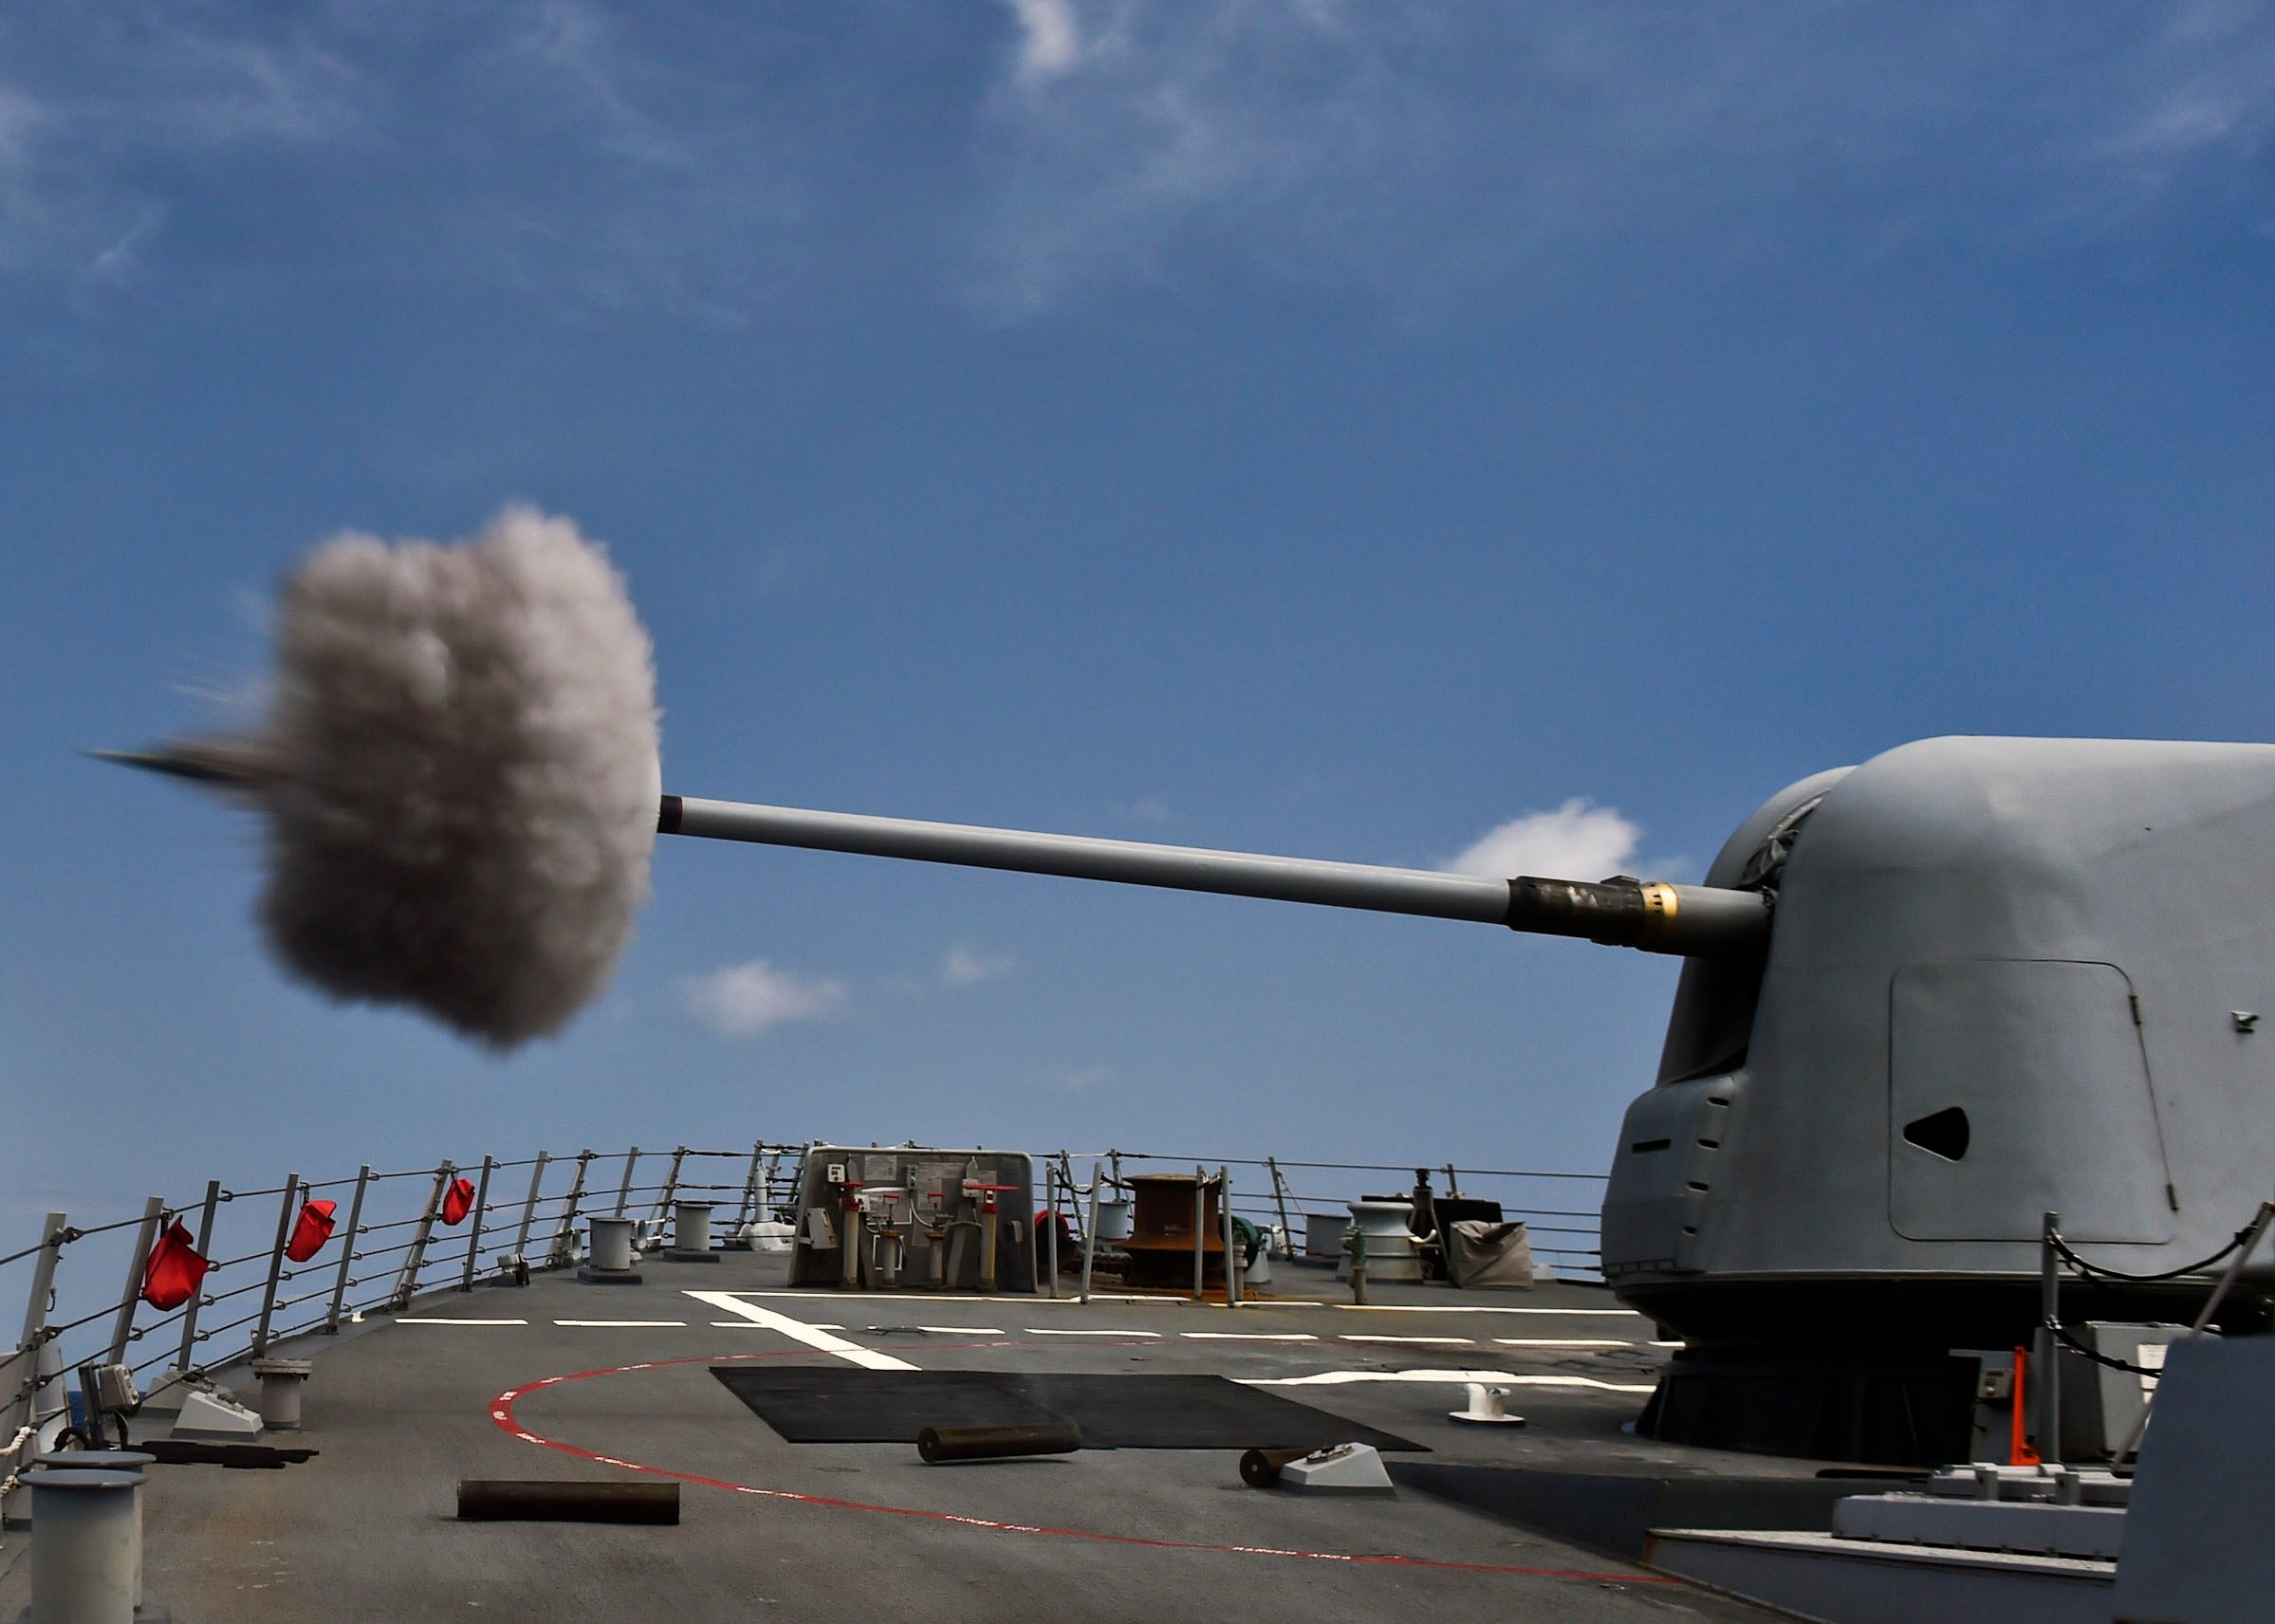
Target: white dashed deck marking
column 626, row 1324
column 1424, row 1341
column 1249, row 1335
column 1434, row 1308
column 1047, row 1331
column 799, row 1331
column 438, row 1319
column 1564, row 1342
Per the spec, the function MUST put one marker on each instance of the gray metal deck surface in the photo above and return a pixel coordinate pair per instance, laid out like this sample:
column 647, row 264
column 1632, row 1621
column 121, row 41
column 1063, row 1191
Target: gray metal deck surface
column 402, row 1408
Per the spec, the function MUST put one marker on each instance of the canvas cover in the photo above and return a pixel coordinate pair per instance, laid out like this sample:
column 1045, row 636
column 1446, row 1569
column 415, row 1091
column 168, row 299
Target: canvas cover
column 1491, row 1256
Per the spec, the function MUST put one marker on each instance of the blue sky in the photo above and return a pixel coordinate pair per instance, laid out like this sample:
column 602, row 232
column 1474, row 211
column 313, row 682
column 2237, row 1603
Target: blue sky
column 1324, row 428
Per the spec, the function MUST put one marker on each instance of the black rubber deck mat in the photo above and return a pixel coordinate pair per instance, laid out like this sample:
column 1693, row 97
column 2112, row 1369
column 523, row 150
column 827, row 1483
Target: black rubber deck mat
column 823, row 1404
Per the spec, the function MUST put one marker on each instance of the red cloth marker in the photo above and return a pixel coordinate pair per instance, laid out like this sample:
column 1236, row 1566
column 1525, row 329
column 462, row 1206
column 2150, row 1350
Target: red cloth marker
column 311, row 1230
column 175, row 1271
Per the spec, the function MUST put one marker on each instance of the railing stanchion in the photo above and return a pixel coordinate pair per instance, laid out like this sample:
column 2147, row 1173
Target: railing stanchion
column 1200, row 1232
column 153, row 1213
column 670, row 1188
column 564, row 1238
column 1090, row 1233
column 348, row 1250
column 623, row 1191
column 276, row 1265
column 1223, row 1180
column 1288, row 1234
column 21, row 1391
column 406, row 1279
column 205, row 1249
column 2046, row 1378
column 473, row 1239
column 1050, row 1216
column 743, row 1216
column 537, row 1176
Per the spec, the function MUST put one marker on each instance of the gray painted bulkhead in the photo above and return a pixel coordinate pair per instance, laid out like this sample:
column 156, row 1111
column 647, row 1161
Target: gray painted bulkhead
column 2048, row 935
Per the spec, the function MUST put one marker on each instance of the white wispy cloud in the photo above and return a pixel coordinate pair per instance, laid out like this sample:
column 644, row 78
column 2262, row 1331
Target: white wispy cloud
column 745, row 1000
column 1049, row 37
column 967, row 967
column 602, row 156
column 1344, row 140
column 1576, row 841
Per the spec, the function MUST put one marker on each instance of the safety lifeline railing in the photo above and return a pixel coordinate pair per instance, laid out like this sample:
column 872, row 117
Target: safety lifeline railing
column 400, row 1240
column 406, row 1232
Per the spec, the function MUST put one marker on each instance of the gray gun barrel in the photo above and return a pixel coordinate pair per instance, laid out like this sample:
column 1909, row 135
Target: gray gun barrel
column 1691, row 920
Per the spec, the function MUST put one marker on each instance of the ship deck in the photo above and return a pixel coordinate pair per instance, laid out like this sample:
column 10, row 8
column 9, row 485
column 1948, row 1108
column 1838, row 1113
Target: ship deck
column 565, row 1381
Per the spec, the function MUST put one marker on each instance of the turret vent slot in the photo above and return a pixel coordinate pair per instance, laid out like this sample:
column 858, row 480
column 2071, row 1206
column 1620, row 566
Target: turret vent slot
column 1941, row 1134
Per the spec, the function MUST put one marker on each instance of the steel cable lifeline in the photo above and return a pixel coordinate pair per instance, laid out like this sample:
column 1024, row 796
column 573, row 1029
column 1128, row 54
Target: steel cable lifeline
column 2083, row 1266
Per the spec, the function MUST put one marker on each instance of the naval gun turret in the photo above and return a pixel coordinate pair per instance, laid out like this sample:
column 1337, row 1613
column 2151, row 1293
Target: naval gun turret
column 1927, row 1001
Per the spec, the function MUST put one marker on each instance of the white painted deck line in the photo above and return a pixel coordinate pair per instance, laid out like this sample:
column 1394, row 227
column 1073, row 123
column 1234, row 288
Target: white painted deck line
column 1047, row 1331
column 438, row 1319
column 1423, row 1342
column 813, row 1295
column 1464, row 1308
column 1248, row 1336
column 964, row 1330
column 625, row 1324
column 799, row 1331
column 1564, row 1342
column 1443, row 1378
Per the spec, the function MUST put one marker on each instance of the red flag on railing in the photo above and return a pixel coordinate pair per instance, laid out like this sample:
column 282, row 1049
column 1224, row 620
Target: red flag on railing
column 311, row 1230
column 175, row 1271
column 458, row 1199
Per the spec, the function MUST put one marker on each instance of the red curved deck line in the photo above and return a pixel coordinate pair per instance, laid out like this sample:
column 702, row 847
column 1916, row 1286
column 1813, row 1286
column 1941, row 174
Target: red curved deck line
column 501, row 1412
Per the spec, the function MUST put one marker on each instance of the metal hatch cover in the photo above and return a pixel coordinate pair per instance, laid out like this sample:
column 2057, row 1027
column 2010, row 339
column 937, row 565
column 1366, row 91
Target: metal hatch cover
column 2018, row 1087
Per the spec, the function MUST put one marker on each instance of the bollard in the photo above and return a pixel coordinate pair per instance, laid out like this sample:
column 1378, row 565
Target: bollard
column 85, row 1554
column 611, row 1245
column 105, row 1460
column 281, row 1383
column 690, row 1233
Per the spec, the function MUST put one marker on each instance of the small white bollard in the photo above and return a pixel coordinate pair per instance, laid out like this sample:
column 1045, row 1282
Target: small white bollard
column 87, row 1552
column 1488, row 1407
column 281, row 1383
column 691, row 1232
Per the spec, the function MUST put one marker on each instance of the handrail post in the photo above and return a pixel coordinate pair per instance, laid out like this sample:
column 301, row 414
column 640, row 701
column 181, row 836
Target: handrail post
column 742, row 1215
column 474, row 1240
column 670, row 1188
column 1223, row 1180
column 1050, row 1215
column 564, row 1237
column 276, row 1265
column 537, row 1176
column 623, row 1191
column 406, row 1279
column 1288, row 1234
column 1452, row 1182
column 348, row 1250
column 1090, row 1233
column 154, row 1212
column 205, row 1249
column 23, row 1395
column 2050, row 1348
column 1200, row 1232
